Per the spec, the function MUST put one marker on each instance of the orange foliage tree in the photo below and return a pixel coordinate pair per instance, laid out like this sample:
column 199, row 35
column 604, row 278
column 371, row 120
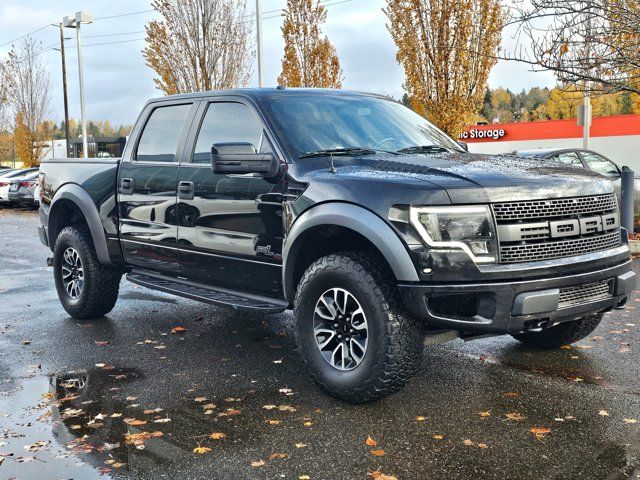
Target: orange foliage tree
column 310, row 59
column 199, row 45
column 447, row 49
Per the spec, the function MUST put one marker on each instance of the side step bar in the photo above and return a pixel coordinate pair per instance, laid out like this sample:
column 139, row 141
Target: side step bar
column 206, row 294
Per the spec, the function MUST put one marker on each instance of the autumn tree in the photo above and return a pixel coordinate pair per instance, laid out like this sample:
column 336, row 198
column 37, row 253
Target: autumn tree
column 589, row 44
column 199, row 45
column 28, row 90
column 310, row 59
column 447, row 49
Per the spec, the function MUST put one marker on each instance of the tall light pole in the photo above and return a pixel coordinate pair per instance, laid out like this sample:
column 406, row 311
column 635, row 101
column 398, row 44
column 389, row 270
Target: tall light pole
column 259, row 39
column 76, row 22
column 64, row 90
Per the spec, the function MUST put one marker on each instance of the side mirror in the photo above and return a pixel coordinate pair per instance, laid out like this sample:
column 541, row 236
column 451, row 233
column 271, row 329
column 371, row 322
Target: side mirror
column 464, row 145
column 241, row 157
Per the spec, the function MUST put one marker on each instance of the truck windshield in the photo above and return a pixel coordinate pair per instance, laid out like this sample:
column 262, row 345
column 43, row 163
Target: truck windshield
column 314, row 123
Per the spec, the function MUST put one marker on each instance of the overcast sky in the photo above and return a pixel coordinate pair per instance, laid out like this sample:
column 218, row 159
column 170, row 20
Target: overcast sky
column 117, row 81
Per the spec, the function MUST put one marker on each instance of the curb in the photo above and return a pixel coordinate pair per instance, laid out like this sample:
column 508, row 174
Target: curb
column 634, row 247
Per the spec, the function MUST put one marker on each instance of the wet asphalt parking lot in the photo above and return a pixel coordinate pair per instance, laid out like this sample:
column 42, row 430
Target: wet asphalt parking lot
column 226, row 396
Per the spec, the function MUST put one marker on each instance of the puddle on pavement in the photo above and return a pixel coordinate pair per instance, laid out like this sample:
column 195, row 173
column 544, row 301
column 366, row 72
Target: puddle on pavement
column 84, row 425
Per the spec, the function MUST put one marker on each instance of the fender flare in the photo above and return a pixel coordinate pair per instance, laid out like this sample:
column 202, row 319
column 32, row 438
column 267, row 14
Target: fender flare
column 355, row 218
column 77, row 195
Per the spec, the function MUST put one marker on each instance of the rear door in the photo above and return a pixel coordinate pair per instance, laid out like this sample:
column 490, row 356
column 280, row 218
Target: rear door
column 230, row 231
column 147, row 186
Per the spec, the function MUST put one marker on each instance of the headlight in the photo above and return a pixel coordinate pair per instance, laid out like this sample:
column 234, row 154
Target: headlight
column 469, row 228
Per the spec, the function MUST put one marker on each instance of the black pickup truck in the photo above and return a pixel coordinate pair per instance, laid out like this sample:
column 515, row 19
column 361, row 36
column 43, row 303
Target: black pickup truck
column 379, row 231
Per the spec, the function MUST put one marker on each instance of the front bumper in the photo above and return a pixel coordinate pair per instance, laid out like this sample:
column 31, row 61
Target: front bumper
column 515, row 306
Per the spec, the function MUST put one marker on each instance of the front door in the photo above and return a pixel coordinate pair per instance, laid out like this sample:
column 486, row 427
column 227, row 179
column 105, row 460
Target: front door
column 147, row 189
column 230, row 226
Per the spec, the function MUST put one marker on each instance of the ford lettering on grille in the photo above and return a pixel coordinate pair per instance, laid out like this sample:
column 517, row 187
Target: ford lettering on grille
column 556, row 228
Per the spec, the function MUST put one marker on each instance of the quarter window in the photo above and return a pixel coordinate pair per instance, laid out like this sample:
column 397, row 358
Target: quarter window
column 599, row 164
column 161, row 134
column 228, row 122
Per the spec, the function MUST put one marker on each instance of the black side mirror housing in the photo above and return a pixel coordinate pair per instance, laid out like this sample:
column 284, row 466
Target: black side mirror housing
column 463, row 145
column 241, row 157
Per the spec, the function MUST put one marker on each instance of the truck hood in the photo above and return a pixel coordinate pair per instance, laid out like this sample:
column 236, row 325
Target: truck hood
column 476, row 178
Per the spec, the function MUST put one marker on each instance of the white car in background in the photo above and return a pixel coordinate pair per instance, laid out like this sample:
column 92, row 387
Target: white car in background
column 5, row 180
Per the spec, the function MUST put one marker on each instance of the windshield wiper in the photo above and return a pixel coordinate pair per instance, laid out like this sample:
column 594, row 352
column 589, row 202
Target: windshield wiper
column 346, row 151
column 424, row 149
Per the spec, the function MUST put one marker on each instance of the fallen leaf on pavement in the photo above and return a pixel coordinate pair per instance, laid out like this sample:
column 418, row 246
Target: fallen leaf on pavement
column 178, row 329
column 134, row 423
column 377, row 453
column 511, row 394
column 381, row 476
column 139, row 438
column 259, row 463
column 468, row 442
column 102, row 343
column 420, row 418
column 307, row 424
column 484, row 414
column 603, row 413
column 515, row 416
column 301, row 445
column 630, row 420
column 540, row 431
column 217, row 435
column 200, row 399
column 438, row 437
column 273, row 422
column 201, row 450
column 370, row 442
column 483, row 445
column 273, row 456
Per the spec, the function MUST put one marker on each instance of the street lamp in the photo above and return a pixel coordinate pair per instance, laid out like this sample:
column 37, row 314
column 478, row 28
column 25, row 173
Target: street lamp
column 76, row 22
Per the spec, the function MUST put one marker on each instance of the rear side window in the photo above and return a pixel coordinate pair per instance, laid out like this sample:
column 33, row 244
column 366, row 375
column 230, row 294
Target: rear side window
column 161, row 134
column 227, row 122
column 599, row 164
column 568, row 158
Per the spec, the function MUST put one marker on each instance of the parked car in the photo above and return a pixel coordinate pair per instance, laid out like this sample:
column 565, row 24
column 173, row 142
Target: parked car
column 577, row 157
column 5, row 178
column 373, row 225
column 21, row 189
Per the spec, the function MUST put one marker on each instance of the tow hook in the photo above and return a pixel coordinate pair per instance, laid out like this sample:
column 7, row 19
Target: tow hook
column 49, row 261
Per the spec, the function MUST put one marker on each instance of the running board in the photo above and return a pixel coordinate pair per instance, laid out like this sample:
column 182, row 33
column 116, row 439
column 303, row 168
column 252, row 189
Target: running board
column 206, row 294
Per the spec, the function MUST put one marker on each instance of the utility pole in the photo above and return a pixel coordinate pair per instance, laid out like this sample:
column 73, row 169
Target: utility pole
column 259, row 39
column 76, row 22
column 64, row 92
column 587, row 94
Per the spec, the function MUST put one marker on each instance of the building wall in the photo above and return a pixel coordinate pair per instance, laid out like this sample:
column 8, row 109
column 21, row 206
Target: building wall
column 616, row 137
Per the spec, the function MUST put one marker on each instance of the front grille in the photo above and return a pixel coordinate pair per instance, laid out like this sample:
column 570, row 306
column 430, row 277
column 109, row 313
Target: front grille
column 548, row 229
column 584, row 293
column 560, row 207
column 528, row 252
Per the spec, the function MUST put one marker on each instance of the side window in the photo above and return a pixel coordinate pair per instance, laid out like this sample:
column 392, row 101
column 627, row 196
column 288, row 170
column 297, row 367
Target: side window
column 568, row 158
column 159, row 140
column 599, row 164
column 227, row 122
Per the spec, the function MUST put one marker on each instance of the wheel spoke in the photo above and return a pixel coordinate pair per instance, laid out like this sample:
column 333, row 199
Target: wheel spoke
column 324, row 331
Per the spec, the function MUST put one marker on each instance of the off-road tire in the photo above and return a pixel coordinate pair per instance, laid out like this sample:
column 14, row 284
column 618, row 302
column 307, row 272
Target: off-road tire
column 395, row 345
column 562, row 334
column 101, row 283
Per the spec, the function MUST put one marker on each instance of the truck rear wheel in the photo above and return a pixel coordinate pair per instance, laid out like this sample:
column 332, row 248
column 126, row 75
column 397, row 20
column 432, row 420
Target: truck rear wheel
column 86, row 288
column 562, row 334
column 353, row 335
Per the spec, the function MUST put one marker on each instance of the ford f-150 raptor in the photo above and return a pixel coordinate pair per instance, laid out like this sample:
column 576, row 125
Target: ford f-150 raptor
column 377, row 229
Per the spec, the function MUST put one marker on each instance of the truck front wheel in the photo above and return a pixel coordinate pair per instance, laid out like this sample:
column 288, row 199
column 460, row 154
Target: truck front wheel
column 356, row 340
column 562, row 334
column 86, row 288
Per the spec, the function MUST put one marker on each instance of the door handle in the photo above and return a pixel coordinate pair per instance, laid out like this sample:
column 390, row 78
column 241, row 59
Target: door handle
column 126, row 186
column 186, row 191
